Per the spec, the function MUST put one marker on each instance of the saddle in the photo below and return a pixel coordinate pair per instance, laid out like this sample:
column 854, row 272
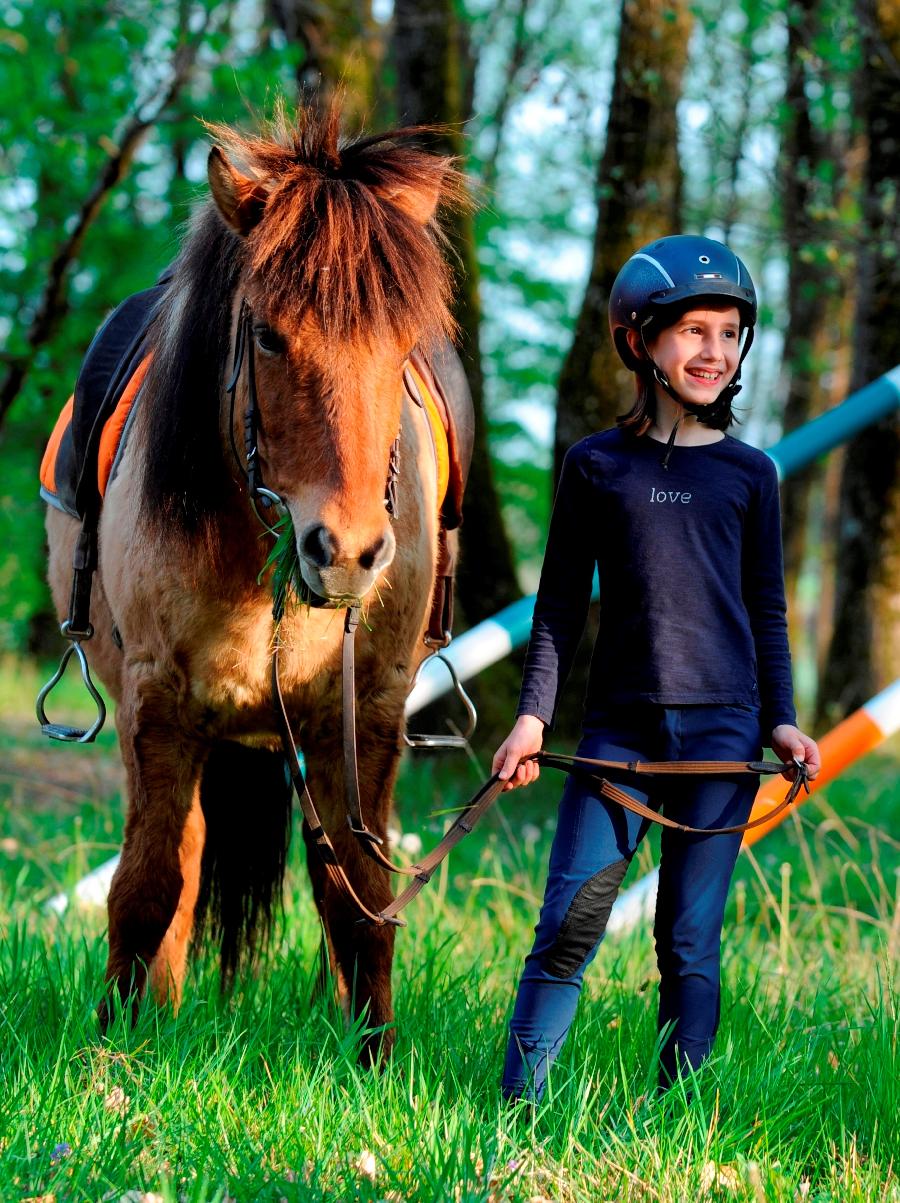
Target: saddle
column 89, row 435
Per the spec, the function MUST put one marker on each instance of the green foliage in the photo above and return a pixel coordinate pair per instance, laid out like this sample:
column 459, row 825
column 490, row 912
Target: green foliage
column 284, row 562
column 73, row 74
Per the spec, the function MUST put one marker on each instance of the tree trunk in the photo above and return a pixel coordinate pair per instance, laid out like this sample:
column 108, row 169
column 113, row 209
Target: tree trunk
column 342, row 50
column 813, row 289
column 432, row 59
column 639, row 197
column 864, row 653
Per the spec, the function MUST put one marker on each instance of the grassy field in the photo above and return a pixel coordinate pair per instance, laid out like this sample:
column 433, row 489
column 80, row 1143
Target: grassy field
column 258, row 1096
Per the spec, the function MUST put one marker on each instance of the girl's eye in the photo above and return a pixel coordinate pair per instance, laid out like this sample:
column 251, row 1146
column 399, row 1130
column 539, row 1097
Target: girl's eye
column 267, row 340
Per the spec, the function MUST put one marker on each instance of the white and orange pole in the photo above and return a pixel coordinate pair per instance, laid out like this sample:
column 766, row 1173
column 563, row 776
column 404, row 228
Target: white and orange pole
column 848, row 742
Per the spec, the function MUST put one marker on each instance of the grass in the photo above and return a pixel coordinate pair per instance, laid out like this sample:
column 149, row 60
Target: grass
column 259, row 1097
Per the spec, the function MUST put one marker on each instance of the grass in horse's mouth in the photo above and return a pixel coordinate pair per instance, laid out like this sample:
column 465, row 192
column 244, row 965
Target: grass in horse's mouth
column 288, row 586
column 287, row 583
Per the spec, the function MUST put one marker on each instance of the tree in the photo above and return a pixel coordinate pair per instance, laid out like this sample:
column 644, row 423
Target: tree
column 342, row 48
column 811, row 182
column 434, row 86
column 639, row 199
column 864, row 652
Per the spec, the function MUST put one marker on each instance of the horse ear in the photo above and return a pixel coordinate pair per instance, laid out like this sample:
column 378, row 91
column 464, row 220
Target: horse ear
column 418, row 201
column 240, row 198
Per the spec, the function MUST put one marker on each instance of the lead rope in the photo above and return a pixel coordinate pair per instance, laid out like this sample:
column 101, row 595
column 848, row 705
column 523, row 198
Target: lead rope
column 488, row 793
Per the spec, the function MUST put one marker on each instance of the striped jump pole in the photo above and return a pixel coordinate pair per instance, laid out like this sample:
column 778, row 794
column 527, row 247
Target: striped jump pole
column 849, row 741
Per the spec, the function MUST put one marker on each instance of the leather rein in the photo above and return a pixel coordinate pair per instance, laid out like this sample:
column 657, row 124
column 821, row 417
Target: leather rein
column 487, row 794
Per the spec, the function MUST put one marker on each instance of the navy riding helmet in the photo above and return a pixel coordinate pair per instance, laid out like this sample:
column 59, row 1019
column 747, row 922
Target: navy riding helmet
column 675, row 272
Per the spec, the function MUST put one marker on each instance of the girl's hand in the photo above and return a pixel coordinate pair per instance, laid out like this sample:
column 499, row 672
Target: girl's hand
column 788, row 742
column 526, row 737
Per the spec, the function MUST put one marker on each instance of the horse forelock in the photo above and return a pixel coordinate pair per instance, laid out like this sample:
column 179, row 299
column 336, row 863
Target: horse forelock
column 336, row 236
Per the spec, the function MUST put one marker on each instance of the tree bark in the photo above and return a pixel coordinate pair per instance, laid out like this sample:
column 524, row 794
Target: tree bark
column 864, row 653
column 639, row 199
column 812, row 291
column 432, row 59
column 342, row 52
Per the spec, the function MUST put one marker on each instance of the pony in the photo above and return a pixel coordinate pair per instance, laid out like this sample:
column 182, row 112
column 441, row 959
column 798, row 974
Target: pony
column 330, row 251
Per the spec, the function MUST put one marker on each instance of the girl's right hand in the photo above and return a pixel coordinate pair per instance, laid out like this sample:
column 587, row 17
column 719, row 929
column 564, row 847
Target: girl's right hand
column 526, row 737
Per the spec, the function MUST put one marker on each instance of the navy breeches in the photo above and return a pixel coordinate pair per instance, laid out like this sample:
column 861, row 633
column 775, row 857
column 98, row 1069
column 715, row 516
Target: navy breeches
column 594, row 842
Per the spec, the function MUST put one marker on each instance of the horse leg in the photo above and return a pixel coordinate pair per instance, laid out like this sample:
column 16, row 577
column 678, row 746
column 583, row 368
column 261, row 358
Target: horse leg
column 328, row 970
column 162, row 768
column 167, row 970
column 360, row 953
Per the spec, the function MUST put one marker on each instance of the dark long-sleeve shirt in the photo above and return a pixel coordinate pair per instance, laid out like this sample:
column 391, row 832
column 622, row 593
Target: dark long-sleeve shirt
column 692, row 605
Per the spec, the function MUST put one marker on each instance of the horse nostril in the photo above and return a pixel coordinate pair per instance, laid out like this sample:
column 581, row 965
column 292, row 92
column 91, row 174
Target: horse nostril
column 368, row 557
column 318, row 546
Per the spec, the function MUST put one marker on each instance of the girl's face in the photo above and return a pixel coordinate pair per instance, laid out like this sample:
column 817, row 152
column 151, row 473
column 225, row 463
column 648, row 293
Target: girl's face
column 700, row 352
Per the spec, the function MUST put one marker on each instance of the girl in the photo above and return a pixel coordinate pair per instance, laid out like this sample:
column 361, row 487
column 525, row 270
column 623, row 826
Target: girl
column 691, row 661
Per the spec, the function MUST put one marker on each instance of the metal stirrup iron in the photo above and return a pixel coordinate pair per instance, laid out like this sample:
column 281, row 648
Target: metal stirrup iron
column 76, row 628
column 417, row 740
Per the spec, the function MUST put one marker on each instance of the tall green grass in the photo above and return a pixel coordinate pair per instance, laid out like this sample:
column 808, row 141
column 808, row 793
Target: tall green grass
column 258, row 1096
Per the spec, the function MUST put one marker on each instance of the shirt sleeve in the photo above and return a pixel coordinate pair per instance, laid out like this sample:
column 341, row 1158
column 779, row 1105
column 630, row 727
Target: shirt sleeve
column 564, row 593
column 763, row 590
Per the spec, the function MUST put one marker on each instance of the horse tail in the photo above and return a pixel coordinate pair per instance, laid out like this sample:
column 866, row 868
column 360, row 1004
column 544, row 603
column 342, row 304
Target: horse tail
column 245, row 795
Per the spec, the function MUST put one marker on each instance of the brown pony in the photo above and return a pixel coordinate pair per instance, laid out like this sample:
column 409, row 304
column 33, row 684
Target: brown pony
column 334, row 248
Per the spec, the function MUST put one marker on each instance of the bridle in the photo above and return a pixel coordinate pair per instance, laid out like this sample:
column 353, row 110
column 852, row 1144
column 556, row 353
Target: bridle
column 249, row 467
column 370, row 843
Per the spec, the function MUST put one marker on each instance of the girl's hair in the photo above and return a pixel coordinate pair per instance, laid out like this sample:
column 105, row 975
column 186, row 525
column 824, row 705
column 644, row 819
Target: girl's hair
column 642, row 414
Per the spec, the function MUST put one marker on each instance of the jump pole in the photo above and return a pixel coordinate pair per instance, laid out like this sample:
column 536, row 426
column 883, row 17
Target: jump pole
column 849, row 741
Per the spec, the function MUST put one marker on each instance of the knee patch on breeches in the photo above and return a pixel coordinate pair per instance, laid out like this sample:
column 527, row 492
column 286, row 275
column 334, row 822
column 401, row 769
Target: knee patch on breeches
column 585, row 921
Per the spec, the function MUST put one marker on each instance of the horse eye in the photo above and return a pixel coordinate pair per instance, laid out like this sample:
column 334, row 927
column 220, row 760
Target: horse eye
column 267, row 340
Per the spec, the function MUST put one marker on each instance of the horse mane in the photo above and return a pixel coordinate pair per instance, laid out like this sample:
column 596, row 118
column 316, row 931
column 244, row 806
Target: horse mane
column 333, row 240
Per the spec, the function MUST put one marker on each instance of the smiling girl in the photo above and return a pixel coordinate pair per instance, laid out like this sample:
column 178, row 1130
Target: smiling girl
column 691, row 660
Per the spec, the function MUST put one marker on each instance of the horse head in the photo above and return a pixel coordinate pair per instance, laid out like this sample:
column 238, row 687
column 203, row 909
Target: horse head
column 341, row 275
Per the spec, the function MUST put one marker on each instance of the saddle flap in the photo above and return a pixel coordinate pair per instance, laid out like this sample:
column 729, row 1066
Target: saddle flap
column 444, row 376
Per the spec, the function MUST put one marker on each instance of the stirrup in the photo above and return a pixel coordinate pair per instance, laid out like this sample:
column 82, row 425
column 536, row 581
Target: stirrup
column 415, row 740
column 72, row 735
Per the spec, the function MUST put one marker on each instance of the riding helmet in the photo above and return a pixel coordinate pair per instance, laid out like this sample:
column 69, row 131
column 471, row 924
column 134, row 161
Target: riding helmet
column 677, row 271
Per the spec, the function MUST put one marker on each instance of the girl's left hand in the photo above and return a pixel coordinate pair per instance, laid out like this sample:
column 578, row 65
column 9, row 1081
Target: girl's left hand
column 788, row 742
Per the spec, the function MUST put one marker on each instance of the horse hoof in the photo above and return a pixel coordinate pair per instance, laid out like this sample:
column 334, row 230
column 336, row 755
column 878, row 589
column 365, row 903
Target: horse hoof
column 108, row 1009
column 376, row 1050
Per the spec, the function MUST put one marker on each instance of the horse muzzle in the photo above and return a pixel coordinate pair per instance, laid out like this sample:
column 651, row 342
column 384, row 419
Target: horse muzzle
column 334, row 570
